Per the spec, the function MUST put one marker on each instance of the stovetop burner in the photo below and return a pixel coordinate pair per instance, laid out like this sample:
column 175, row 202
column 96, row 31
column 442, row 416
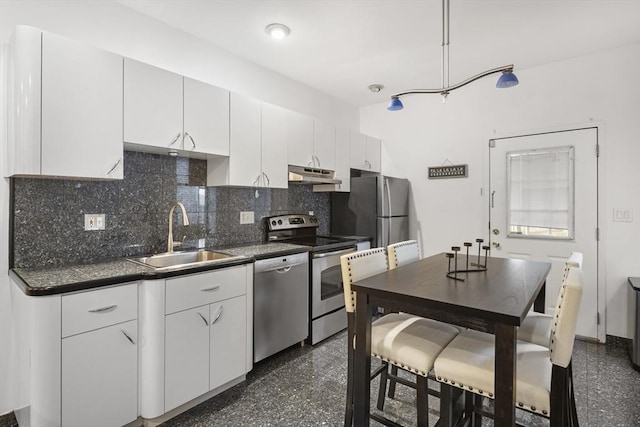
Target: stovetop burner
column 301, row 230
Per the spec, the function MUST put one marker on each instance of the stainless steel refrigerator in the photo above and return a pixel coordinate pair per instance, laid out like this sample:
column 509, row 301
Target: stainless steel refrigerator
column 376, row 207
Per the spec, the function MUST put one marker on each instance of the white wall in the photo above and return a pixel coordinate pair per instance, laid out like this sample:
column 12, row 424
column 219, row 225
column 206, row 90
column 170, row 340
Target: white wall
column 603, row 88
column 116, row 28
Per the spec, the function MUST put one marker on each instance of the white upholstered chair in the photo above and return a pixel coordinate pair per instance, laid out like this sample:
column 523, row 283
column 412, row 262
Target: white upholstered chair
column 536, row 327
column 407, row 341
column 543, row 379
column 403, row 253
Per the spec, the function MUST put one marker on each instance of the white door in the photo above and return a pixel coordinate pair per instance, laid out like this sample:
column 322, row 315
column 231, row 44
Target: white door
column 544, row 205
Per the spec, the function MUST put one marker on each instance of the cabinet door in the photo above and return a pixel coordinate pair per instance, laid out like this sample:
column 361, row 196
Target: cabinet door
column 274, row 146
column 358, row 150
column 100, row 377
column 245, row 145
column 206, row 118
column 343, row 160
column 228, row 340
column 374, row 146
column 186, row 356
column 152, row 106
column 324, row 145
column 81, row 110
column 299, row 139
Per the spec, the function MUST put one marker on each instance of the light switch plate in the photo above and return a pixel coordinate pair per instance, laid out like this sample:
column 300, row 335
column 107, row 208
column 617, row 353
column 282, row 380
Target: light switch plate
column 622, row 215
column 93, row 222
column 246, row 217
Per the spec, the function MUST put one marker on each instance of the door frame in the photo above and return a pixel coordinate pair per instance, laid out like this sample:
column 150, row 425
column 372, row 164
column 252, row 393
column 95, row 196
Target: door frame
column 601, row 207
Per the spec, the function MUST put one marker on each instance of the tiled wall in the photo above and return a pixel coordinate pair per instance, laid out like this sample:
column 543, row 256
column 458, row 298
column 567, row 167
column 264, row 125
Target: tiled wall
column 48, row 214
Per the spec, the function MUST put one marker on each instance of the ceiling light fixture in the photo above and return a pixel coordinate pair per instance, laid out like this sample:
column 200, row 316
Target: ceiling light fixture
column 506, row 80
column 375, row 88
column 277, row 31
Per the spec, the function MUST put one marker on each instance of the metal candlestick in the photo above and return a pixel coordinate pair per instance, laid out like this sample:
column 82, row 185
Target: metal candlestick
column 453, row 274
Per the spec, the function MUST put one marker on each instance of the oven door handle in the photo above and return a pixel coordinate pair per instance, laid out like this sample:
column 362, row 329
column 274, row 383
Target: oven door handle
column 326, row 254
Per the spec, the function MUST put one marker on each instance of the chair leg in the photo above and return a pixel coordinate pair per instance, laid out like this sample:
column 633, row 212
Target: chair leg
column 572, row 399
column 560, row 397
column 392, row 381
column 348, row 412
column 422, row 402
column 383, row 386
column 446, row 405
column 476, row 419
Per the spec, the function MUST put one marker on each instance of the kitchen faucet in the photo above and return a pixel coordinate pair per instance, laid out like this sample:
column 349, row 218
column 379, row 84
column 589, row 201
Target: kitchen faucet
column 185, row 222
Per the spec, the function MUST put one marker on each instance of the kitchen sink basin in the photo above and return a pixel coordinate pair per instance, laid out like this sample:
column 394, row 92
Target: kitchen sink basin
column 177, row 260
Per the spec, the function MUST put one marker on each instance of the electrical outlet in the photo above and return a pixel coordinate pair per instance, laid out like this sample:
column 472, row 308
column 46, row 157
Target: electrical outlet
column 94, row 222
column 310, row 212
column 246, row 217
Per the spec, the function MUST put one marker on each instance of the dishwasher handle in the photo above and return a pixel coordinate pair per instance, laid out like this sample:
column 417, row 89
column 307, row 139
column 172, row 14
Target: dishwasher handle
column 279, row 268
column 282, row 264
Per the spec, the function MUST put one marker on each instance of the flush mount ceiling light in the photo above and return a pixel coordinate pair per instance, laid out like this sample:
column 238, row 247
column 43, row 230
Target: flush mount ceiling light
column 375, row 88
column 277, row 31
column 507, row 79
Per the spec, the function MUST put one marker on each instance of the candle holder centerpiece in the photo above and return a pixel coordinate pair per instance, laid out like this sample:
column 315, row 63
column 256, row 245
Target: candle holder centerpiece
column 479, row 266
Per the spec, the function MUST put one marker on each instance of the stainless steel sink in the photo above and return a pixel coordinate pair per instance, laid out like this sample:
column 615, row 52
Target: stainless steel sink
column 177, row 260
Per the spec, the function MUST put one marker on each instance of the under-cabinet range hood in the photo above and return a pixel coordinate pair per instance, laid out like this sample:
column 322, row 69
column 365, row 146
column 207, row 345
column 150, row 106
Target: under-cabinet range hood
column 311, row 175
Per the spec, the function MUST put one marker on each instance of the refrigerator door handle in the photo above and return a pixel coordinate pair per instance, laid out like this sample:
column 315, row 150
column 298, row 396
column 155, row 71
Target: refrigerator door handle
column 389, row 232
column 388, row 188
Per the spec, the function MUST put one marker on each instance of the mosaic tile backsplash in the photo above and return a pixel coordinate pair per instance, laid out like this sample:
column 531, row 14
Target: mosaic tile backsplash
column 48, row 214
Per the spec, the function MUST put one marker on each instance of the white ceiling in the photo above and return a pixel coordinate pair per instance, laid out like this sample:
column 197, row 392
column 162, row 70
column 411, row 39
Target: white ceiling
column 340, row 47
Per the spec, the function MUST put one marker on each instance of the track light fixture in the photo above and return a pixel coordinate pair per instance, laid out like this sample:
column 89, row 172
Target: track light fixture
column 506, row 80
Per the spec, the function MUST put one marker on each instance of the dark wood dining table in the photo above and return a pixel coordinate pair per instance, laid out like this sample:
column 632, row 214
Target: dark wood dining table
column 495, row 301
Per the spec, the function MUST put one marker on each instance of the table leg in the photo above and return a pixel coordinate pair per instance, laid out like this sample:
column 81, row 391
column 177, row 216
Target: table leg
column 539, row 303
column 505, row 375
column 362, row 365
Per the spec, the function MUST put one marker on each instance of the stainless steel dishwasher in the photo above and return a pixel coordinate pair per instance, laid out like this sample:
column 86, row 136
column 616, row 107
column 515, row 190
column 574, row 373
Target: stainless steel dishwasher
column 280, row 303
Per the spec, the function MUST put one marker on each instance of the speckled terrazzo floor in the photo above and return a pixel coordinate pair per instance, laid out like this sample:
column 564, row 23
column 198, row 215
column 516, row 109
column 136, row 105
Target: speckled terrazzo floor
column 305, row 386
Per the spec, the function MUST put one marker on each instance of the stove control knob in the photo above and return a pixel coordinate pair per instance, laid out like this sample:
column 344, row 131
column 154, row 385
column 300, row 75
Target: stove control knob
column 273, row 222
column 279, row 222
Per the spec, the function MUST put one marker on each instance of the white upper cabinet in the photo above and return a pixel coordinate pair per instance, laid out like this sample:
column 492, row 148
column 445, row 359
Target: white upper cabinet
column 343, row 167
column 65, row 105
column 365, row 152
column 274, row 146
column 373, row 154
column 300, row 139
column 243, row 166
column 324, row 145
column 206, row 118
column 152, row 106
column 310, row 142
column 258, row 149
column 171, row 112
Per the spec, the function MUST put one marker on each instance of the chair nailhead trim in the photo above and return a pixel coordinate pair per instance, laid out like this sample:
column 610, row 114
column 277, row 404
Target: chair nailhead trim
column 490, row 395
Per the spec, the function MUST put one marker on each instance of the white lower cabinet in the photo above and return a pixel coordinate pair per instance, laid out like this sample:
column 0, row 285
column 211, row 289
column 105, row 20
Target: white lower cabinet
column 186, row 356
column 197, row 335
column 227, row 343
column 100, row 377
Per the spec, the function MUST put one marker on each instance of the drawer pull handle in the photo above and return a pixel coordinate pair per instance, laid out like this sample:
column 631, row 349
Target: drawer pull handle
column 218, row 315
column 128, row 337
column 204, row 319
column 101, row 309
column 211, row 289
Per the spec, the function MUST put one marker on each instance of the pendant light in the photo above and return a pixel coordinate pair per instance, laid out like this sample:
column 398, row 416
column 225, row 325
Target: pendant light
column 506, row 80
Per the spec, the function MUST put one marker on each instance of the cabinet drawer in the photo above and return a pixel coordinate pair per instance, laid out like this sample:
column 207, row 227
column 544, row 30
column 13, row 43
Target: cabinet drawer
column 91, row 310
column 192, row 291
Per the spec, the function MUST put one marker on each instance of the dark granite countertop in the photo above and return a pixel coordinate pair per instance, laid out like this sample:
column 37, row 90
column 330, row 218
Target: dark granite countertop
column 57, row 280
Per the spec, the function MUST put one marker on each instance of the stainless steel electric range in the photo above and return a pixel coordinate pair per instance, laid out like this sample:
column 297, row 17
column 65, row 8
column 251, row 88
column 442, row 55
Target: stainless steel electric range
column 326, row 306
